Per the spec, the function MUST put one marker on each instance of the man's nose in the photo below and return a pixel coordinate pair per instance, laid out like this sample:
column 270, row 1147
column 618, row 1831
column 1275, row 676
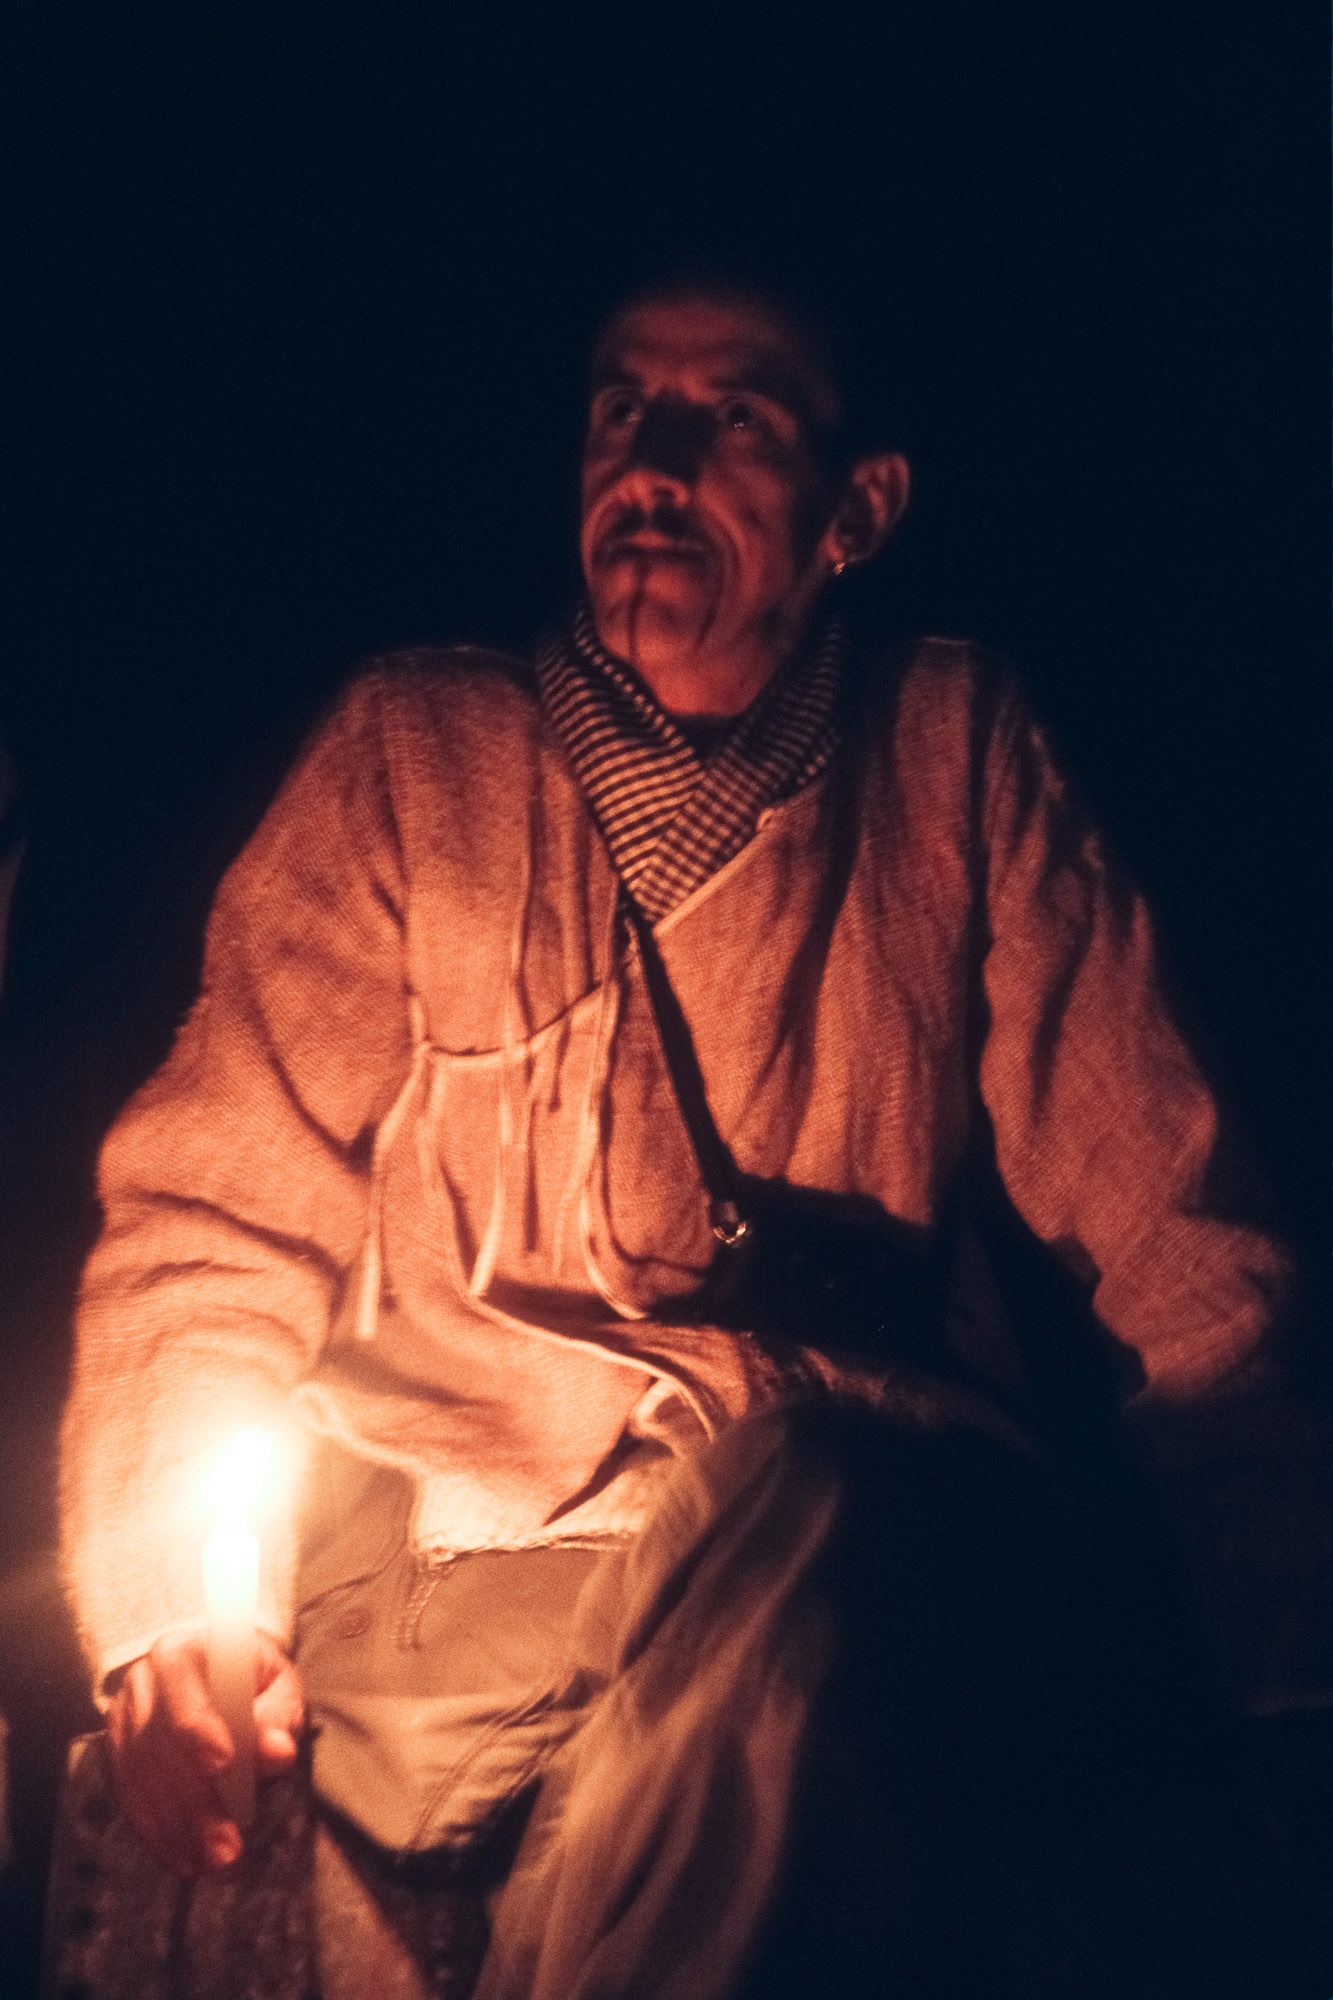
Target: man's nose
column 673, row 437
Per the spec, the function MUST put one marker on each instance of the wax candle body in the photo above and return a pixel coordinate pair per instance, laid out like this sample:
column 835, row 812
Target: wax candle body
column 231, row 1595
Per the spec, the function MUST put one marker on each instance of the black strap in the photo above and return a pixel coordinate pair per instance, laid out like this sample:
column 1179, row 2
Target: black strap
column 717, row 1169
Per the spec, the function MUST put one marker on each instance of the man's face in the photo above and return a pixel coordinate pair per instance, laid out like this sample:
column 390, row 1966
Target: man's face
column 703, row 496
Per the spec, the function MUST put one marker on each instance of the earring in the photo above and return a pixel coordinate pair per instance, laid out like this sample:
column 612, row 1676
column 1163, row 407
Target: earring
column 839, row 567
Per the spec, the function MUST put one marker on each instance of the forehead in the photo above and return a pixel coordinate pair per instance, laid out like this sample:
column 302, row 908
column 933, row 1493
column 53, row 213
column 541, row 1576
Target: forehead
column 695, row 344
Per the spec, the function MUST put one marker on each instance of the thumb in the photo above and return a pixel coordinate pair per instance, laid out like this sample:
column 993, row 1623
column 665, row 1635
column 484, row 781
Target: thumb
column 275, row 1747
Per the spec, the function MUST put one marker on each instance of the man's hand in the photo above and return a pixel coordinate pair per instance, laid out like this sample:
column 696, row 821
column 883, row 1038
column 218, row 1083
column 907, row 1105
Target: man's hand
column 169, row 1743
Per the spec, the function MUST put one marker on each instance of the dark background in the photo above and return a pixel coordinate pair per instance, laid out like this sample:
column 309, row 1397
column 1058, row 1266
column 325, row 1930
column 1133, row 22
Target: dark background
column 299, row 301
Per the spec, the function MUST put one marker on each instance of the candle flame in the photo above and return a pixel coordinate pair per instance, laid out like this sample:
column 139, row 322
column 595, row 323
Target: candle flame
column 234, row 1481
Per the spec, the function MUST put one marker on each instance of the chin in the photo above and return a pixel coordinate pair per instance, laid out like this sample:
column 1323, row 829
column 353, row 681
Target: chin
column 645, row 626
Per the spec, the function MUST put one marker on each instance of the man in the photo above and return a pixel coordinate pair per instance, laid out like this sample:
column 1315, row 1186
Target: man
column 423, row 1170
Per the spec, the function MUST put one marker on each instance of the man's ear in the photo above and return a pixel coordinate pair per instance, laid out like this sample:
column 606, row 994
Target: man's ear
column 873, row 502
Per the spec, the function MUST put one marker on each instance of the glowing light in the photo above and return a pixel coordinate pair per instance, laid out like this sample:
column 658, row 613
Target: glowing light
column 232, row 1487
column 235, row 1481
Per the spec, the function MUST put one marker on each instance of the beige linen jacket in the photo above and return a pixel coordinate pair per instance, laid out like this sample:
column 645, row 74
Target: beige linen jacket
column 414, row 1170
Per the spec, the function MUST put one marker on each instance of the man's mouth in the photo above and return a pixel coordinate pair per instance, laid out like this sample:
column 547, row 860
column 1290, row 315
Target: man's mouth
column 632, row 538
column 649, row 547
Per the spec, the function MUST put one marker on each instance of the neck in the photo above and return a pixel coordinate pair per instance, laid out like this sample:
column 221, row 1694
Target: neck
column 706, row 687
column 720, row 682
column 714, row 684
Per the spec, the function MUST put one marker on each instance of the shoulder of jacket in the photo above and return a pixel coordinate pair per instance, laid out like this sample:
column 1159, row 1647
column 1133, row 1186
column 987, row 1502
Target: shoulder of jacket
column 962, row 667
column 476, row 677
column 933, row 682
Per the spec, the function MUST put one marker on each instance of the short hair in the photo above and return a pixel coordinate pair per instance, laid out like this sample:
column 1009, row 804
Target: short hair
column 844, row 427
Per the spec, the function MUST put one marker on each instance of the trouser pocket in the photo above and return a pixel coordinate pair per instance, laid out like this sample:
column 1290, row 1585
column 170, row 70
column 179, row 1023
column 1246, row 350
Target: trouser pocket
column 436, row 1693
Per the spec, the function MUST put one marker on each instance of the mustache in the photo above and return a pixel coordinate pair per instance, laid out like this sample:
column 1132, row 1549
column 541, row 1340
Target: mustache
column 672, row 523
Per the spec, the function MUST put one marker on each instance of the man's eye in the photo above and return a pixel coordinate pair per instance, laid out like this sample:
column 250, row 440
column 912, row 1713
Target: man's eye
column 621, row 411
column 739, row 416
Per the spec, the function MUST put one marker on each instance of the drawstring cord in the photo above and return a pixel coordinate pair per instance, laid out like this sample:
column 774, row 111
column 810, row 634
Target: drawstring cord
column 372, row 1268
column 585, row 1139
column 593, row 1122
column 587, row 1149
column 372, row 1273
column 489, row 1249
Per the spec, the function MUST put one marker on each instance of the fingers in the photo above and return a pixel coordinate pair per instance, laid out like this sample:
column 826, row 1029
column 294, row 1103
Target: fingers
column 169, row 1743
column 182, row 1703
column 279, row 1707
column 164, row 1774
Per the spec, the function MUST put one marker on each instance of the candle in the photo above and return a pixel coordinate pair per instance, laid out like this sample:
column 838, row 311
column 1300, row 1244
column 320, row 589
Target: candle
column 231, row 1598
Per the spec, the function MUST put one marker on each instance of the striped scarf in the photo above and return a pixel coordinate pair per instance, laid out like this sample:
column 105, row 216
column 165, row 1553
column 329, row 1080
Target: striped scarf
column 671, row 816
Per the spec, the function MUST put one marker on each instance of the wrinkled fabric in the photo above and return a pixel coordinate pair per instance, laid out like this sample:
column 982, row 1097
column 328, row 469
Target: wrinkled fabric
column 417, row 943
column 655, row 1842
column 435, row 1692
column 869, row 1712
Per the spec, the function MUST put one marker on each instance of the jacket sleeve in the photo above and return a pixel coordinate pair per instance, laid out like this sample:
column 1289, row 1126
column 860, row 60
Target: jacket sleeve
column 233, row 1190
column 1106, row 1134
column 1108, row 1140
